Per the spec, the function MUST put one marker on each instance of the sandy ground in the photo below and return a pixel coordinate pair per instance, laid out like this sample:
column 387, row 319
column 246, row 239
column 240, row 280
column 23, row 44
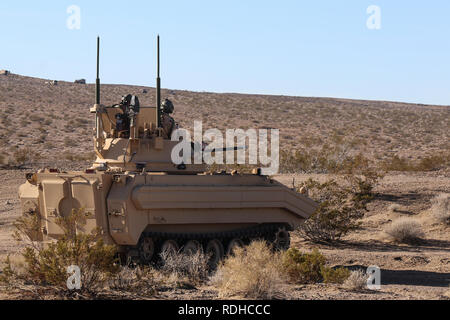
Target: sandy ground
column 419, row 271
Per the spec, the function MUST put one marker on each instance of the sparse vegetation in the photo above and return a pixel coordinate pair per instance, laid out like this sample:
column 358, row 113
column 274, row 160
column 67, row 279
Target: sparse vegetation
column 137, row 281
column 428, row 163
column 23, row 156
column 335, row 275
column 47, row 267
column 405, row 230
column 303, row 267
column 192, row 268
column 441, row 208
column 252, row 272
column 394, row 207
column 341, row 205
column 357, row 281
column 68, row 142
column 310, row 268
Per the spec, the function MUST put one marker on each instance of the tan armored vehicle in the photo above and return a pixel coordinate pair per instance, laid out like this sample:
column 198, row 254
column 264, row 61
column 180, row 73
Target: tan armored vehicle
column 144, row 203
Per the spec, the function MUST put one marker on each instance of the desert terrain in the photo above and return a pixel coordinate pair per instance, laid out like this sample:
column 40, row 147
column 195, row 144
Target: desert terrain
column 52, row 124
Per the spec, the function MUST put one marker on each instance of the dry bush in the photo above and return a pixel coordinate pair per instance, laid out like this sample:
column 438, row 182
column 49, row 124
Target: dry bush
column 405, row 230
column 21, row 157
column 357, row 281
column 394, row 207
column 340, row 206
column 310, row 268
column 192, row 267
column 429, row 163
column 138, row 280
column 252, row 272
column 68, row 142
column 328, row 159
column 87, row 156
column 447, row 293
column 46, row 266
column 440, row 208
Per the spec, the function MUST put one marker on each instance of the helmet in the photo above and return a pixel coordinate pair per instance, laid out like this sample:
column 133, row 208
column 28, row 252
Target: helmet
column 167, row 106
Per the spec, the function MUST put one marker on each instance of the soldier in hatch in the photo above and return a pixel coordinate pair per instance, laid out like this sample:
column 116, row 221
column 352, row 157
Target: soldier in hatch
column 168, row 123
column 130, row 108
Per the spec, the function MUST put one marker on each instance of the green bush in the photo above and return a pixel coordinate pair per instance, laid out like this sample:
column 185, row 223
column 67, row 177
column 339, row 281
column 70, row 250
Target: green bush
column 303, row 267
column 338, row 275
column 341, row 206
column 310, row 268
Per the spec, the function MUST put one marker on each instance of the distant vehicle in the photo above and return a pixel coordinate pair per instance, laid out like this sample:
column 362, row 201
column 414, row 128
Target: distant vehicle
column 80, row 81
column 4, row 72
column 145, row 204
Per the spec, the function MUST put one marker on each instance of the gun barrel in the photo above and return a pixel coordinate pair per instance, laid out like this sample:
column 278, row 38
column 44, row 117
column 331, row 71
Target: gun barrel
column 229, row 149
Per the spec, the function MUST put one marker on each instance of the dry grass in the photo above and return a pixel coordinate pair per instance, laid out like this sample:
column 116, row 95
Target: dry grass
column 394, row 208
column 142, row 281
column 441, row 208
column 447, row 293
column 405, row 230
column 253, row 272
column 357, row 281
column 181, row 267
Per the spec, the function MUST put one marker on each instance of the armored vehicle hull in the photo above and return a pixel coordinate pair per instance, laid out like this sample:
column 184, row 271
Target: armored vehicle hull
column 152, row 208
column 143, row 202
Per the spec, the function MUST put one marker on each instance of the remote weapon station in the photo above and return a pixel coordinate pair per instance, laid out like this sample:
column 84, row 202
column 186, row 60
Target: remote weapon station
column 144, row 203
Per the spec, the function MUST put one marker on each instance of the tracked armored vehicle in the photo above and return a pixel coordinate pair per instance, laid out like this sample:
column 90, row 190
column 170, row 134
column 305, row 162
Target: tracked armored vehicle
column 144, row 203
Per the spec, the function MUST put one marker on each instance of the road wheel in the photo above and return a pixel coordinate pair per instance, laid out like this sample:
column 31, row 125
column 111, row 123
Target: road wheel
column 282, row 240
column 234, row 243
column 146, row 249
column 191, row 247
column 170, row 246
column 215, row 251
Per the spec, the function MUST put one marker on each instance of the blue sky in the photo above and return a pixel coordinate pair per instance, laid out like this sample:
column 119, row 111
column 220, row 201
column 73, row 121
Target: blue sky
column 305, row 48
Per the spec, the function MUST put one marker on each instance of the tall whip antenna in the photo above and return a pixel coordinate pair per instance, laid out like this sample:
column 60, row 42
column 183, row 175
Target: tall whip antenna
column 158, row 90
column 97, row 81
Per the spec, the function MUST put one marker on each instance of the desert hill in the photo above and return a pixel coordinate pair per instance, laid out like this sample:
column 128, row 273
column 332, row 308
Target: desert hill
column 51, row 124
column 54, row 122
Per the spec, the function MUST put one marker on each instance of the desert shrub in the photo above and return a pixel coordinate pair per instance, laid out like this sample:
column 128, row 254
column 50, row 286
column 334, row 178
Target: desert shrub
column 310, row 268
column 396, row 164
column 447, row 293
column 430, row 163
column 405, row 230
column 394, row 207
column 340, row 206
column 252, row 272
column 193, row 267
column 23, row 156
column 356, row 281
column 79, row 156
column 335, row 275
column 137, row 280
column 337, row 157
column 441, row 208
column 8, row 273
column 47, row 266
column 303, row 267
column 68, row 142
